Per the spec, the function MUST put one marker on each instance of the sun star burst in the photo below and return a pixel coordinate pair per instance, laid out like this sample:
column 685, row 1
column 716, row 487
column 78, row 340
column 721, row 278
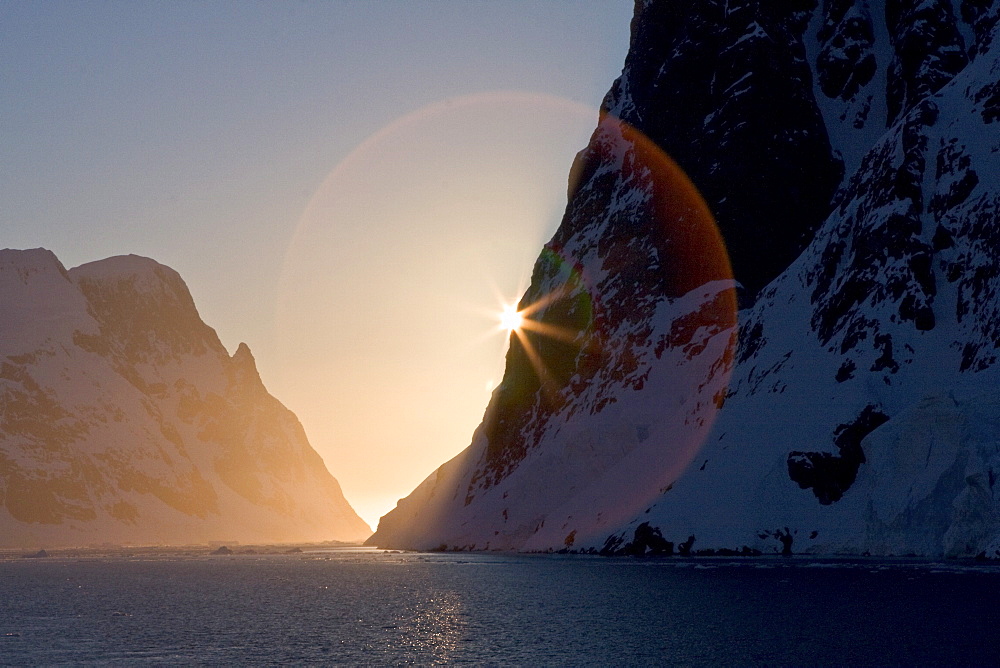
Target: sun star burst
column 511, row 319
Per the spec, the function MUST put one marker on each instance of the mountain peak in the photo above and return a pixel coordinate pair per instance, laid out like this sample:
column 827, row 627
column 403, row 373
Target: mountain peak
column 25, row 263
column 243, row 354
column 28, row 257
column 126, row 420
column 245, row 367
column 146, row 305
column 143, row 273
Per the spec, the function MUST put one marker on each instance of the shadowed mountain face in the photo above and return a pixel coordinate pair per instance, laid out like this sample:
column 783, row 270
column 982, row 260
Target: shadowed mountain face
column 125, row 420
column 848, row 150
column 726, row 90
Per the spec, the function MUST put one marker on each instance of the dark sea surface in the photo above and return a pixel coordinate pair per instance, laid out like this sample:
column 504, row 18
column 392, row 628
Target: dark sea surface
column 367, row 607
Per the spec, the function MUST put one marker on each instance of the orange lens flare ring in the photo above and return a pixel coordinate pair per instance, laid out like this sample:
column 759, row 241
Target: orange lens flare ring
column 692, row 253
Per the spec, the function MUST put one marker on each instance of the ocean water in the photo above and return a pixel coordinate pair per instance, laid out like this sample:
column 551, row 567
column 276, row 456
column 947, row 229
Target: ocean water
column 368, row 607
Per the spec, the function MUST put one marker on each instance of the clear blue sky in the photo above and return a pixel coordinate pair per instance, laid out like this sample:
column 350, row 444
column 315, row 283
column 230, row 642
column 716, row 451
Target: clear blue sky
column 198, row 133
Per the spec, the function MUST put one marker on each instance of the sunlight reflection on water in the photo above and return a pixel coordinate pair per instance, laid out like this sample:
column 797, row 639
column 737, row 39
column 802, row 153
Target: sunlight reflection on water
column 368, row 607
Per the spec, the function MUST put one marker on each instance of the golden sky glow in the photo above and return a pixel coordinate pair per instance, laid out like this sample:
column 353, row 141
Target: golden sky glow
column 333, row 181
column 386, row 328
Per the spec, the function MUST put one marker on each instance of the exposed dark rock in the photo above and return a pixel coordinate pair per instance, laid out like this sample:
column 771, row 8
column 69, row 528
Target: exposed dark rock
column 885, row 361
column 751, row 339
column 846, row 371
column 887, row 259
column 646, row 541
column 612, row 544
column 989, row 97
column 784, row 536
column 684, row 549
column 649, row 540
column 983, row 15
column 829, row 475
column 846, row 61
column 726, row 90
column 929, row 51
column 786, row 540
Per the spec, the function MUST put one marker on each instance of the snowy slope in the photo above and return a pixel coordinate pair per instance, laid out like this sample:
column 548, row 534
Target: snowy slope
column 892, row 308
column 125, row 420
column 850, row 153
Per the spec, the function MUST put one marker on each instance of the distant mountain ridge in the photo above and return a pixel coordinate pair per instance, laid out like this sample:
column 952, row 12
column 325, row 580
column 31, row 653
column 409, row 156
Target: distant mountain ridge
column 849, row 151
column 124, row 420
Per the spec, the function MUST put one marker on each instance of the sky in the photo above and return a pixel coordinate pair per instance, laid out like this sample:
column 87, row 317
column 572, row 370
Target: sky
column 353, row 188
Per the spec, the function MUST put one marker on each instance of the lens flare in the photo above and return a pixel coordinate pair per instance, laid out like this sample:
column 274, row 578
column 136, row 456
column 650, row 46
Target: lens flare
column 511, row 319
column 385, row 298
column 642, row 299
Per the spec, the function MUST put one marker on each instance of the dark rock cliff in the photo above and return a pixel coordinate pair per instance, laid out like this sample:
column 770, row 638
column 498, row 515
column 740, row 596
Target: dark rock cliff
column 724, row 88
column 847, row 150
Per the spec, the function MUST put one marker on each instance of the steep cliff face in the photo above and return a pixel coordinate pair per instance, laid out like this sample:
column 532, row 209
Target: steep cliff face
column 887, row 321
column 726, row 90
column 124, row 419
column 849, row 152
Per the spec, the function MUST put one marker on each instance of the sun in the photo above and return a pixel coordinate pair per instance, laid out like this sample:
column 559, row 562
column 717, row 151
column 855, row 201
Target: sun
column 511, row 319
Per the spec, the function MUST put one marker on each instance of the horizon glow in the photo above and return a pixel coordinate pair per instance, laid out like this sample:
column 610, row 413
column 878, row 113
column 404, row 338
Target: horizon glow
column 198, row 135
column 387, row 249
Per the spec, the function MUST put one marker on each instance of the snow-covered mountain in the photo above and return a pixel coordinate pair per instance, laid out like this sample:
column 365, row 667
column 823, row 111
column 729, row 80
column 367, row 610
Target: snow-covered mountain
column 124, row 420
column 850, row 152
